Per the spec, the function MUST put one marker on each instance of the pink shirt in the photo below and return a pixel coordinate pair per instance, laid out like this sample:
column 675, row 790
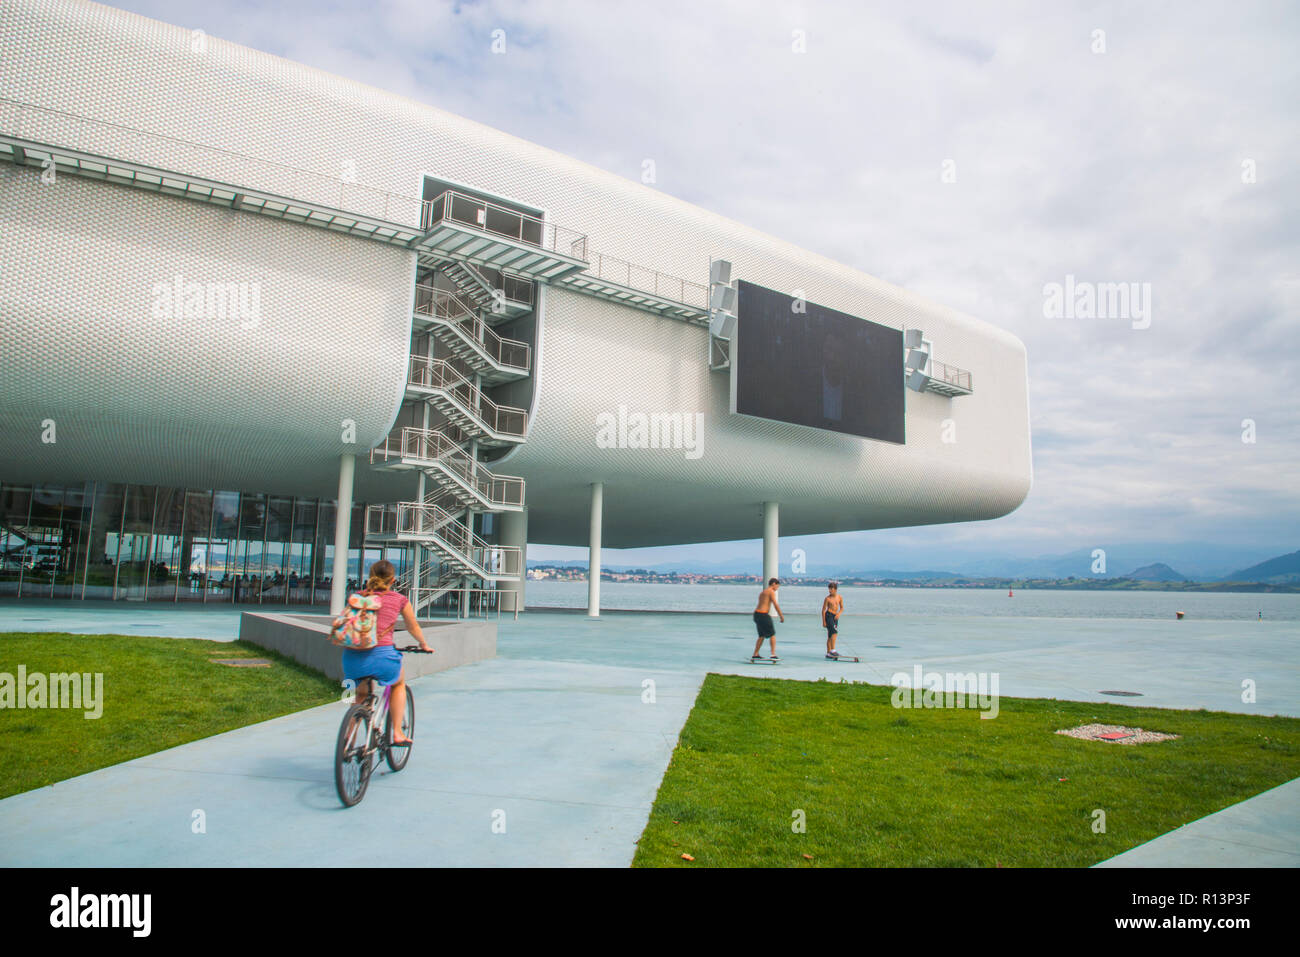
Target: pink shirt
column 387, row 616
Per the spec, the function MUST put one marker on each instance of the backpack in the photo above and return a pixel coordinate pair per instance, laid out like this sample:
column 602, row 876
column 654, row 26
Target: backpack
column 355, row 628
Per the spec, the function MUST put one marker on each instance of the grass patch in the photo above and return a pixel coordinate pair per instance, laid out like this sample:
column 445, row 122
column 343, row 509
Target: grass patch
column 158, row 693
column 883, row 787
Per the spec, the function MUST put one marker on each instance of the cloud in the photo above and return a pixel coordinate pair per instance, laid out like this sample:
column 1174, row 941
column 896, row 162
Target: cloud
column 1118, row 166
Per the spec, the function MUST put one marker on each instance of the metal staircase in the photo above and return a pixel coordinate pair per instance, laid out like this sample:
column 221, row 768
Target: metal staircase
column 468, row 337
column 463, row 292
column 451, row 469
column 463, row 403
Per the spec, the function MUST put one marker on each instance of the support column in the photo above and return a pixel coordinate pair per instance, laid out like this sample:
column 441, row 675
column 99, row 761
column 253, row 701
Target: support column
column 771, row 549
column 593, row 558
column 514, row 532
column 342, row 532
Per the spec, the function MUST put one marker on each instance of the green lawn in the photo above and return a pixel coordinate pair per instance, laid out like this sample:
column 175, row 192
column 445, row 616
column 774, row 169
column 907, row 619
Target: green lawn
column 881, row 786
column 158, row 693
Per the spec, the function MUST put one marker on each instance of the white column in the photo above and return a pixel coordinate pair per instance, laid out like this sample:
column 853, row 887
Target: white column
column 514, row 532
column 771, row 551
column 342, row 528
column 593, row 559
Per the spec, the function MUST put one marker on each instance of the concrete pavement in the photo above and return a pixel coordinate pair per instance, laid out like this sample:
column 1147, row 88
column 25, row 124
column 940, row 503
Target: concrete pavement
column 551, row 754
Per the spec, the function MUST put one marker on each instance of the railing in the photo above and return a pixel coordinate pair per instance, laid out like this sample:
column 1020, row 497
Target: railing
column 454, row 206
column 26, row 121
column 430, row 373
column 950, row 374
column 447, row 307
column 513, row 288
column 478, row 602
column 422, row 520
column 430, row 445
column 649, row 280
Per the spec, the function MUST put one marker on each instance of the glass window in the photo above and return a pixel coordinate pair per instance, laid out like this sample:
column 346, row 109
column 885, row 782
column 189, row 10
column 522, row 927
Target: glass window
column 44, row 547
column 248, row 547
column 165, row 571
column 135, row 547
column 75, row 534
column 324, row 555
column 195, row 542
column 102, row 545
column 275, row 559
column 302, row 550
column 15, row 508
column 223, row 560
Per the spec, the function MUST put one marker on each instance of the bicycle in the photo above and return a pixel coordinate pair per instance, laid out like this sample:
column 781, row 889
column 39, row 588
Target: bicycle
column 361, row 743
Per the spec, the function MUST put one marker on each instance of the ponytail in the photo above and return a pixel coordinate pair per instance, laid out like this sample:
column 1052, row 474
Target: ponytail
column 382, row 574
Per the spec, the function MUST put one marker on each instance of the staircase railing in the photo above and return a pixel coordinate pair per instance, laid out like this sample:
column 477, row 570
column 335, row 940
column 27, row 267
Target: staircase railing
column 432, row 445
column 449, row 309
column 430, row 373
column 424, row 520
column 460, row 208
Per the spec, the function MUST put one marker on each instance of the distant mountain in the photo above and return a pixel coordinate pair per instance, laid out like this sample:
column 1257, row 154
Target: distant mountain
column 1197, row 561
column 894, row 575
column 1280, row 570
column 1159, row 572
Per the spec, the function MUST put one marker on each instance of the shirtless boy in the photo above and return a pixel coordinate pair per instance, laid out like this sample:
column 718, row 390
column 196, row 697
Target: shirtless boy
column 832, row 608
column 763, row 617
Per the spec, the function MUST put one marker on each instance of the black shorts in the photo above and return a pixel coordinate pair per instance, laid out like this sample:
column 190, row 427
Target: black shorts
column 832, row 623
column 763, row 622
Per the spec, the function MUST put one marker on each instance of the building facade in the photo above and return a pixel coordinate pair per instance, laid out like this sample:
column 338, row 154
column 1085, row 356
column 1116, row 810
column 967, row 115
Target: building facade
column 233, row 276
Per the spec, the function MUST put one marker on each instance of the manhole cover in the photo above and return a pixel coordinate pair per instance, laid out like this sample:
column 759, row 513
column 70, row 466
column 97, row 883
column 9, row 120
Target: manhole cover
column 242, row 662
column 887, row 646
column 35, row 619
column 1123, row 694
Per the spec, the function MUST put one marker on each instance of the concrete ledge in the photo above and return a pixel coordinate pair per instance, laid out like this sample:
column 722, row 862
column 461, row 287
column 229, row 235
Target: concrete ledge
column 305, row 639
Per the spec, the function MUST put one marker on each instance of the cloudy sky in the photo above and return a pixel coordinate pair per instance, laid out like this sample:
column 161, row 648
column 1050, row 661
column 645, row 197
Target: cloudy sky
column 1151, row 143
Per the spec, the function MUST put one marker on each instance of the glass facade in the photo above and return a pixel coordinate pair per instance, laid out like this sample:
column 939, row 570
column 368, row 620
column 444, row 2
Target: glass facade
column 148, row 543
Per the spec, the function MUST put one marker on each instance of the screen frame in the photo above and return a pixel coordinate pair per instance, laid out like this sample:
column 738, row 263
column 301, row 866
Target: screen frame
column 733, row 371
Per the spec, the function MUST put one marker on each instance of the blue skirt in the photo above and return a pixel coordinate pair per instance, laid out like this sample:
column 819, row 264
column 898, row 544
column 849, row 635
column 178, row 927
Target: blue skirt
column 382, row 661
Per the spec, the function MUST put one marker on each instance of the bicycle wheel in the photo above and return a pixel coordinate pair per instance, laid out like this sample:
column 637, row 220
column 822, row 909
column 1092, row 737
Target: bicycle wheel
column 352, row 756
column 398, row 756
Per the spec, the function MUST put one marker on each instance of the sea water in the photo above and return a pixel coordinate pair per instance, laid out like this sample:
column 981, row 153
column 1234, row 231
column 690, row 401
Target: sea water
column 956, row 602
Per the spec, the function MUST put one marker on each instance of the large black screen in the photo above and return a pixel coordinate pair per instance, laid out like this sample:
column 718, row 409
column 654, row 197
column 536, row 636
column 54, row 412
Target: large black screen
column 817, row 367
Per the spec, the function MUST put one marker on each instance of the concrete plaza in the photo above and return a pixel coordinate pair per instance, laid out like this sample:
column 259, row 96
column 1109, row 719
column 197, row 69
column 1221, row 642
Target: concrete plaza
column 554, row 738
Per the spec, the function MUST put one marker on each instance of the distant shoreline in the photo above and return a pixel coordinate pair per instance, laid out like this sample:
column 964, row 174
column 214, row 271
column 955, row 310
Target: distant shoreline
column 969, row 584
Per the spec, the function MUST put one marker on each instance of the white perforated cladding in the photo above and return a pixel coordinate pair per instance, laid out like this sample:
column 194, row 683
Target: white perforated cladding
column 95, row 61
column 202, row 402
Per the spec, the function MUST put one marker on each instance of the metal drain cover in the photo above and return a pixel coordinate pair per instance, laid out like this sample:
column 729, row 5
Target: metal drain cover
column 887, row 646
column 1123, row 694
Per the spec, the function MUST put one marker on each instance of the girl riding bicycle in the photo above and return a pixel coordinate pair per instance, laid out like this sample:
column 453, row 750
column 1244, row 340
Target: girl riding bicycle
column 384, row 661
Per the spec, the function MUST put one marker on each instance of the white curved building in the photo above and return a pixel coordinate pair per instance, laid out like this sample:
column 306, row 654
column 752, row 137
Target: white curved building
column 220, row 270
